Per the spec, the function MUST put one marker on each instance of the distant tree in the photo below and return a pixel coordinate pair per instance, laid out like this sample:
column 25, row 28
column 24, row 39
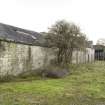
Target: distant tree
column 65, row 37
column 101, row 42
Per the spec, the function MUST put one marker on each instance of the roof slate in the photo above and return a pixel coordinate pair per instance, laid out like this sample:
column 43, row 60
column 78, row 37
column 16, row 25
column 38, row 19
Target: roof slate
column 18, row 35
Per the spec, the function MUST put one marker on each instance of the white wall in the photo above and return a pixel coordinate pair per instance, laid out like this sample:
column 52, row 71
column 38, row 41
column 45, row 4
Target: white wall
column 83, row 56
column 16, row 58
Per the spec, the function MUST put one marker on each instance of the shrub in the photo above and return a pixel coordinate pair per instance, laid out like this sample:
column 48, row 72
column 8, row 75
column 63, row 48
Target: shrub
column 54, row 72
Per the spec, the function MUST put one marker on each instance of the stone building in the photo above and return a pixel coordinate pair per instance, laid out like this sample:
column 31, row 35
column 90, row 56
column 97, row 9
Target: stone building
column 22, row 50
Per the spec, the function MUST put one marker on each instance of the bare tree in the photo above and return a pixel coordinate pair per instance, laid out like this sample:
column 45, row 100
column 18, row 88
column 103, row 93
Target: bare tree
column 65, row 37
column 101, row 42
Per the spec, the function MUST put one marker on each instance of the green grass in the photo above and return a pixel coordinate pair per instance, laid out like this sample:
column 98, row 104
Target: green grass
column 84, row 86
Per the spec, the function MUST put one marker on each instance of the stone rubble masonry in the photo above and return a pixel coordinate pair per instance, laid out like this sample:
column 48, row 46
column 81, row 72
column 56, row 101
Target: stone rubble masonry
column 18, row 58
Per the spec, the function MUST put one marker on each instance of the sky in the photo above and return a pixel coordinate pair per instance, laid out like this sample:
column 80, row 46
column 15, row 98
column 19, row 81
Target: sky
column 39, row 15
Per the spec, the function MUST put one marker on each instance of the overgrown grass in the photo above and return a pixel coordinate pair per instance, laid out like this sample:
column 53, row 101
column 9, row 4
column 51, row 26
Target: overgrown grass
column 84, row 86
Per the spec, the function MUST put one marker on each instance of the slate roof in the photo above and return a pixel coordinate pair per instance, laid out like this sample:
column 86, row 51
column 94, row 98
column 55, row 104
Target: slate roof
column 18, row 35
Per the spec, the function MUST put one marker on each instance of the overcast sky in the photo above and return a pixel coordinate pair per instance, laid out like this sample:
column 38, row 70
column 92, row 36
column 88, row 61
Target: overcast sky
column 38, row 15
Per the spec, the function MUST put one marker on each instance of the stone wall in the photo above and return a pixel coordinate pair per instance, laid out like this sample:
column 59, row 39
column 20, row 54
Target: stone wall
column 17, row 58
column 83, row 56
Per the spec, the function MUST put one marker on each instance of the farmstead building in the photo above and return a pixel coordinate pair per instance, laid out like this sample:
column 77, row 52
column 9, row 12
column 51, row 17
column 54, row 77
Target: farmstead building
column 22, row 50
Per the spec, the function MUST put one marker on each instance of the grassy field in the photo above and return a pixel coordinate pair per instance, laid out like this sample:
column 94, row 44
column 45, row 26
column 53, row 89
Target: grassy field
column 84, row 86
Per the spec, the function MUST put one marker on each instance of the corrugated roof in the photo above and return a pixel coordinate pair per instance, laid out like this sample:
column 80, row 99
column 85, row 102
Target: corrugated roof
column 18, row 35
